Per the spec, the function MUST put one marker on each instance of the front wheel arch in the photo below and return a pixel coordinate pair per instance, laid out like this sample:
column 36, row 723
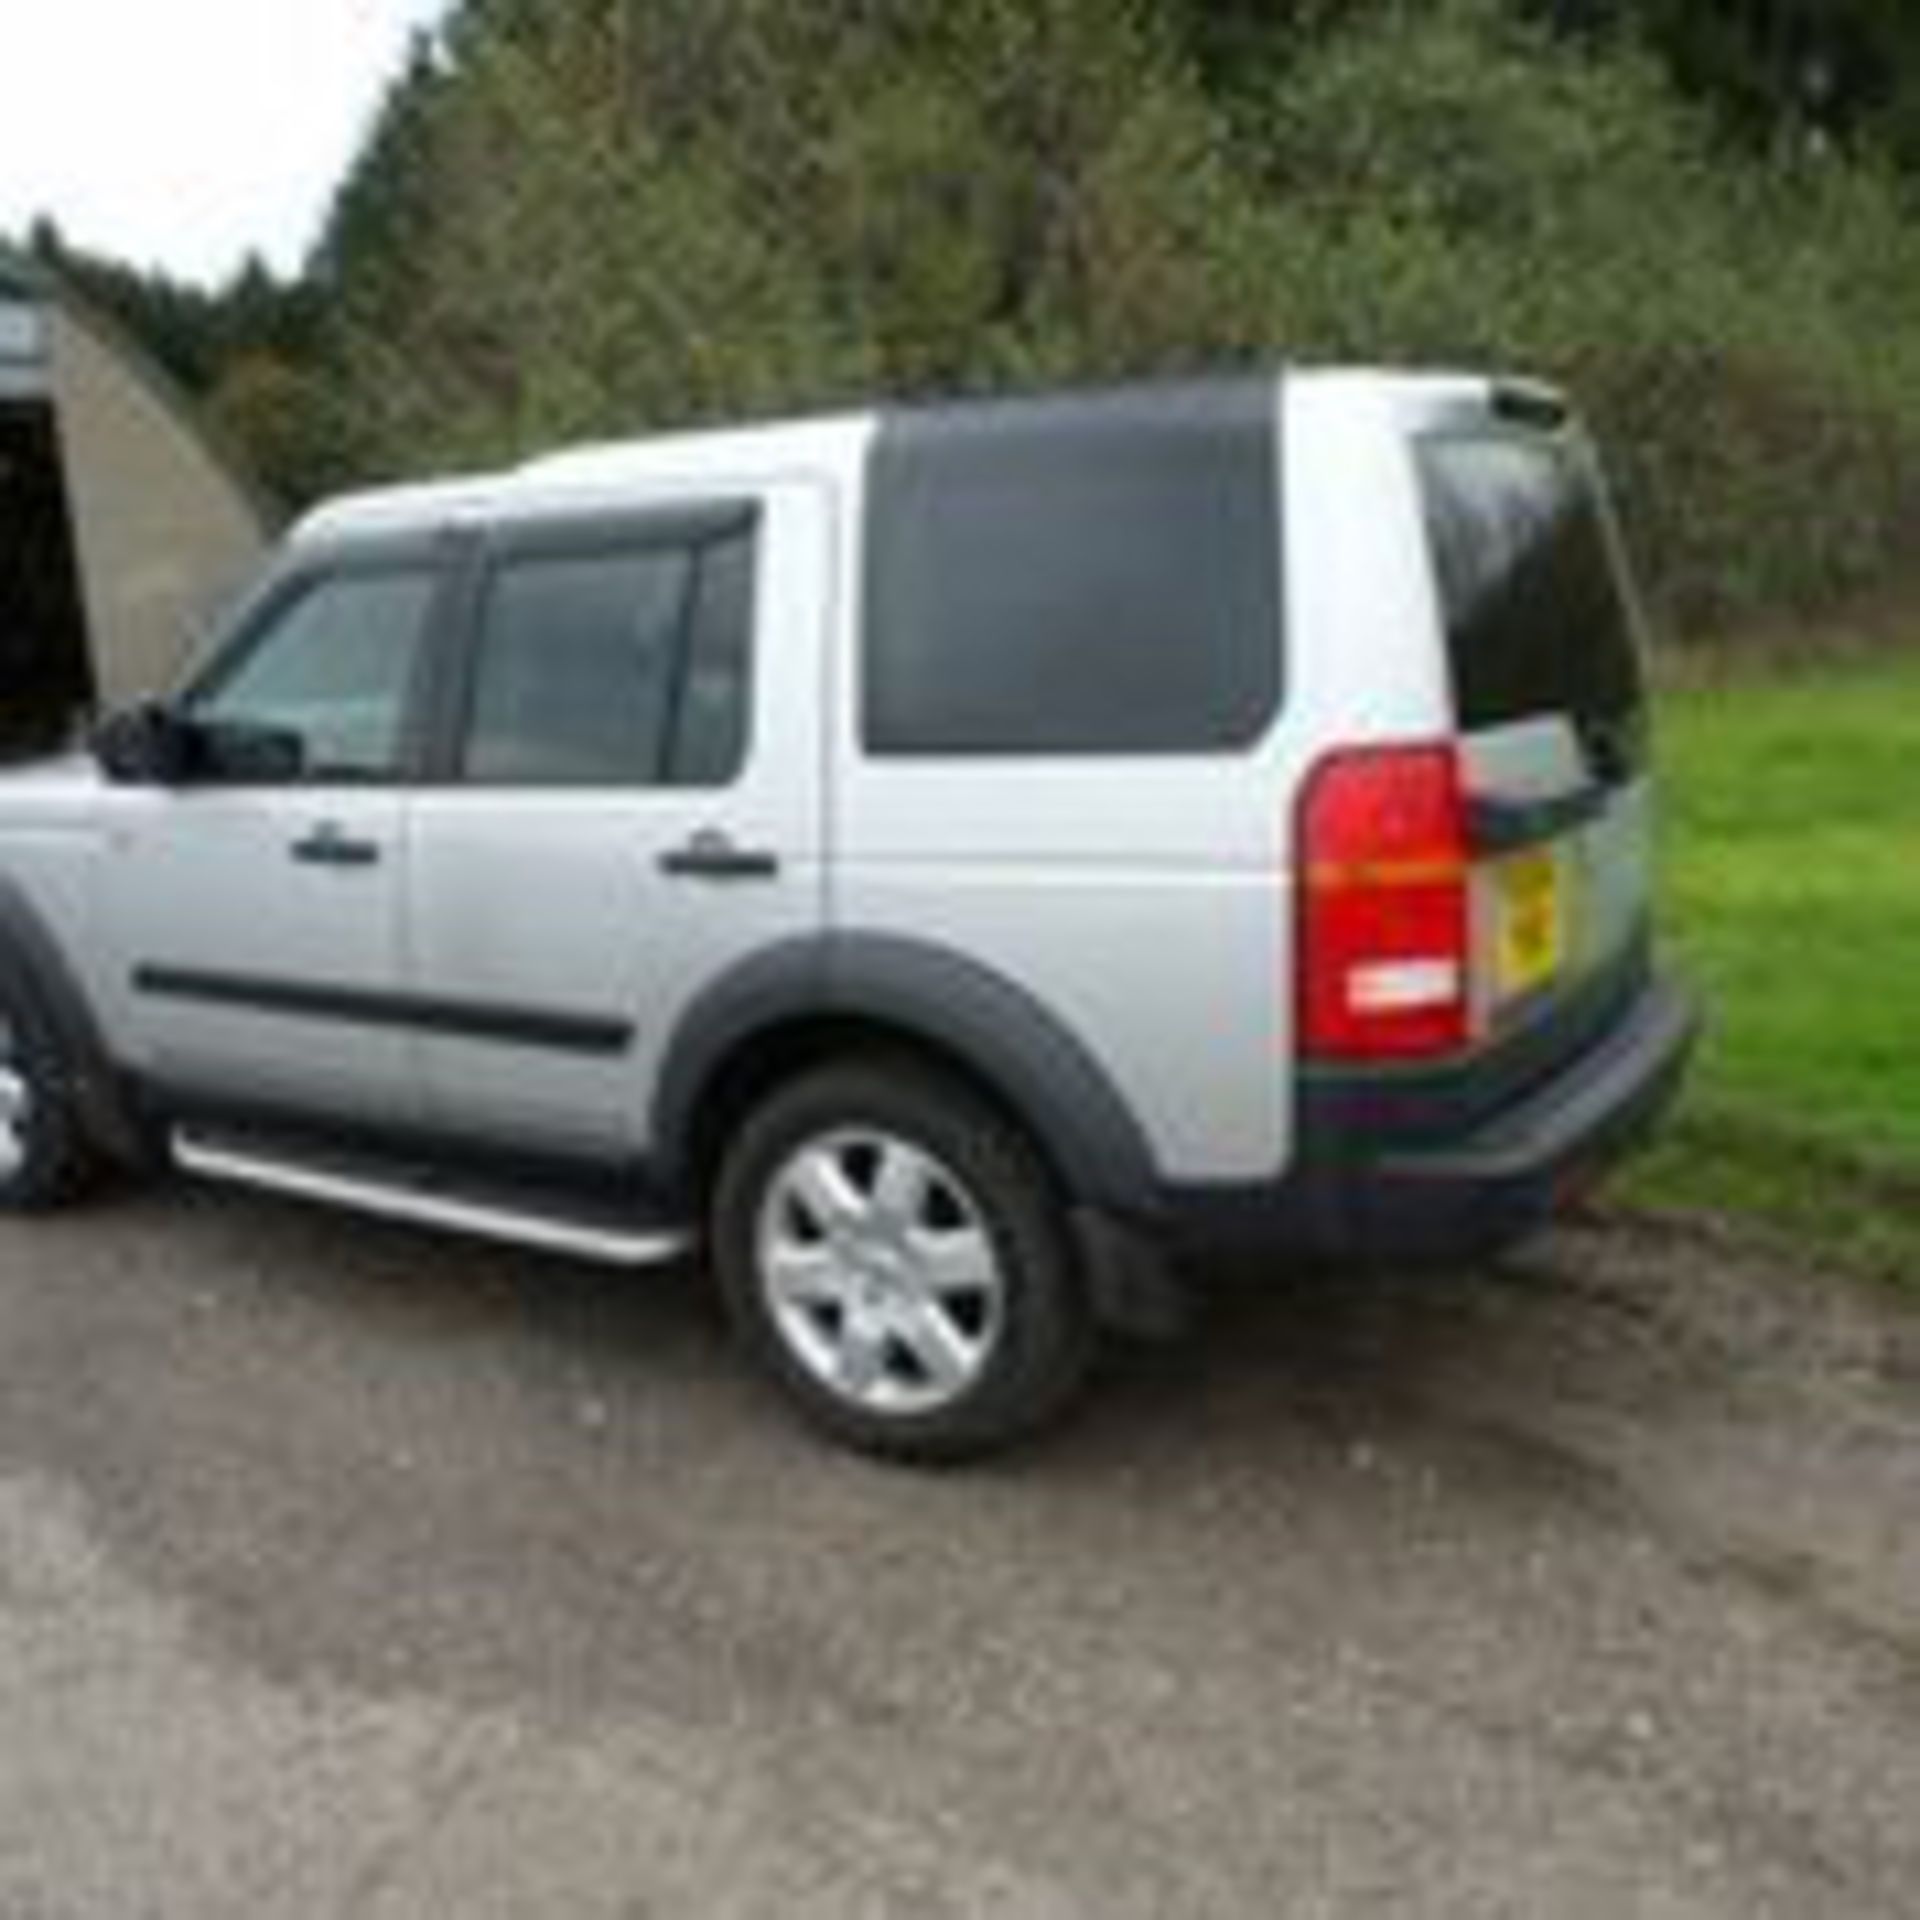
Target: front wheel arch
column 32, row 966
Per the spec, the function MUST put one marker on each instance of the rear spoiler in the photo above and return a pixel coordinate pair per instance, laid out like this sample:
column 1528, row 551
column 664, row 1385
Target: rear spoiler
column 1529, row 403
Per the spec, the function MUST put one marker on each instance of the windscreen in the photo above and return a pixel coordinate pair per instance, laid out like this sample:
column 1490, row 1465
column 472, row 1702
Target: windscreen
column 1536, row 613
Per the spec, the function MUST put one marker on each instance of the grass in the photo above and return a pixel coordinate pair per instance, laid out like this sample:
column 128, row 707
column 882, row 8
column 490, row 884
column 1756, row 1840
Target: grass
column 1791, row 854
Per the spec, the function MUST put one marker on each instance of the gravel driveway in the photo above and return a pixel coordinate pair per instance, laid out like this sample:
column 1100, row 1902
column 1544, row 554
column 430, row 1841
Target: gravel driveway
column 347, row 1573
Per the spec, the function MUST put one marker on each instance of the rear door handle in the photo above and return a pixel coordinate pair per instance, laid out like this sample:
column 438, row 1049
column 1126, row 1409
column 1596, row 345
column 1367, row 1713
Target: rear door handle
column 1510, row 826
column 714, row 856
column 331, row 845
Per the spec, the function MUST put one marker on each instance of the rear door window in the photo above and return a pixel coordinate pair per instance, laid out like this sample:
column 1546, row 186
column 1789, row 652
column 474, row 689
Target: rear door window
column 576, row 671
column 1537, row 619
column 616, row 665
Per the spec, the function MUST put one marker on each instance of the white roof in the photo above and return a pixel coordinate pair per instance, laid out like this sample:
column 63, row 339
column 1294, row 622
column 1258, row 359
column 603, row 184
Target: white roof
column 616, row 473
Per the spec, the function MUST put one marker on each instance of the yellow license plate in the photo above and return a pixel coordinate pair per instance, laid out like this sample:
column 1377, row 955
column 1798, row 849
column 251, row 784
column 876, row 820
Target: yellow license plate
column 1530, row 922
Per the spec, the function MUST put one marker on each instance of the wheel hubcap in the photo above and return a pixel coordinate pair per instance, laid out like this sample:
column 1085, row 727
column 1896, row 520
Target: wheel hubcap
column 880, row 1274
column 16, row 1103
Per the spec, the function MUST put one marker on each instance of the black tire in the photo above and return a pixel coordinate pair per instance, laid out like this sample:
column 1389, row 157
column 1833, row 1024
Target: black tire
column 46, row 1160
column 1046, row 1333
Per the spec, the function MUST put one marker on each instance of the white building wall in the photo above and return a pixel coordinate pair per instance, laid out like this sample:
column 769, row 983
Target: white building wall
column 165, row 534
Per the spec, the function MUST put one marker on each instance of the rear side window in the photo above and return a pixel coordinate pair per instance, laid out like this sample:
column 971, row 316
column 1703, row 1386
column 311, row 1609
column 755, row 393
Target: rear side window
column 1089, row 575
column 615, row 666
column 1536, row 616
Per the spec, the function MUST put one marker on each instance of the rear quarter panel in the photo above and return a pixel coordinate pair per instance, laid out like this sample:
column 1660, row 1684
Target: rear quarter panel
column 1146, row 901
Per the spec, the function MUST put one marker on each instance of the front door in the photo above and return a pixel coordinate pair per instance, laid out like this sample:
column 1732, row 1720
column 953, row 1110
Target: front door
column 255, row 909
column 632, row 805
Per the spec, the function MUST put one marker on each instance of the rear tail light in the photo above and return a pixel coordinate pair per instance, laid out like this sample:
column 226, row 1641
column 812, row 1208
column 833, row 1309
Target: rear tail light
column 1385, row 912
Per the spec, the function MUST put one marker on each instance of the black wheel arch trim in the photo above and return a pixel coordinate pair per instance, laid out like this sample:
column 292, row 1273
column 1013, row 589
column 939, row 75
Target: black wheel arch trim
column 31, row 962
column 988, row 1024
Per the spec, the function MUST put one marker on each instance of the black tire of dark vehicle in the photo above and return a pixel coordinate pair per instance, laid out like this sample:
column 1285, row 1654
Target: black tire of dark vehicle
column 46, row 1160
column 1044, row 1335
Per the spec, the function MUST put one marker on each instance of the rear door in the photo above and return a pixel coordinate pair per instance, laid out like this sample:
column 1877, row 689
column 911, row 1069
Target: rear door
column 1545, row 661
column 631, row 802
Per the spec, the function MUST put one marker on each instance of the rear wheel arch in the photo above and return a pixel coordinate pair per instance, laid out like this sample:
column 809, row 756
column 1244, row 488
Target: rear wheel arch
column 795, row 1008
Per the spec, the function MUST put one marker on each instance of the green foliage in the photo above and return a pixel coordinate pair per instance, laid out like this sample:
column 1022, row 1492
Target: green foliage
column 1782, row 72
column 657, row 212
column 1456, row 188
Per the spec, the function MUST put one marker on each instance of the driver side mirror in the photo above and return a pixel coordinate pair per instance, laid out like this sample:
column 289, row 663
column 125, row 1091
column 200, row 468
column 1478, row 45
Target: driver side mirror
column 154, row 745
column 142, row 746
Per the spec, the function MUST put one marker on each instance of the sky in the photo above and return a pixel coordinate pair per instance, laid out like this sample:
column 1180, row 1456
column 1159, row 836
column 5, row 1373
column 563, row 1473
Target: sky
column 185, row 134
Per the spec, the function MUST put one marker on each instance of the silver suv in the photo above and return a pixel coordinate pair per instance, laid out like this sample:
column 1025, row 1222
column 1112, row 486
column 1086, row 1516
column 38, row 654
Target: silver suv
column 948, row 864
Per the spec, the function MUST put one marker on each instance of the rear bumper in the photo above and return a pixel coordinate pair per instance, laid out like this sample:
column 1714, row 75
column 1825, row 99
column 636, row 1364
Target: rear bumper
column 1431, row 1169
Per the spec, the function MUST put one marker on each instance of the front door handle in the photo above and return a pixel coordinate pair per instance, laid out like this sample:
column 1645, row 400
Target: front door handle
column 331, row 845
column 712, row 855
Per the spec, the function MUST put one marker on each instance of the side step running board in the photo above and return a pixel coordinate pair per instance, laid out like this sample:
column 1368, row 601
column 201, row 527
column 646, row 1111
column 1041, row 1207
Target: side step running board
column 423, row 1201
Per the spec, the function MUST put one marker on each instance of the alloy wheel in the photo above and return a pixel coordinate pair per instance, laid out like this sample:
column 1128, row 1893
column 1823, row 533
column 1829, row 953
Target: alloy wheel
column 879, row 1272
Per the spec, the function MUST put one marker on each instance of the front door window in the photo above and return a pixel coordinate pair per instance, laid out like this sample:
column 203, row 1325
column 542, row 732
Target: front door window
column 332, row 673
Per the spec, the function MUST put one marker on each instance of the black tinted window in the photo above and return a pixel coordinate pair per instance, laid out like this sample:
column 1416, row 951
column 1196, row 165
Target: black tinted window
column 710, row 738
column 615, row 667
column 334, row 668
column 1093, row 574
column 1536, row 618
column 575, row 677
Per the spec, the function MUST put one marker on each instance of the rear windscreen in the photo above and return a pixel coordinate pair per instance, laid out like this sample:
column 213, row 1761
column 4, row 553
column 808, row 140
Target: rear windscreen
column 1537, row 620
column 1091, row 574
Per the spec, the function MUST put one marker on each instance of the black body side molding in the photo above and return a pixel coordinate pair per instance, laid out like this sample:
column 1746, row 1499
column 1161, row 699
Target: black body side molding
column 534, row 1027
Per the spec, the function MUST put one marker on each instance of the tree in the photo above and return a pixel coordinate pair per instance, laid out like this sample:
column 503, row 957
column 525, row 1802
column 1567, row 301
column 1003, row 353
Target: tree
column 1783, row 73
